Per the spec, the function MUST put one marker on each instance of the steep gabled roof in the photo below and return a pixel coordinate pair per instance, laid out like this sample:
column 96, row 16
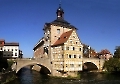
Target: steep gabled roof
column 39, row 42
column 63, row 38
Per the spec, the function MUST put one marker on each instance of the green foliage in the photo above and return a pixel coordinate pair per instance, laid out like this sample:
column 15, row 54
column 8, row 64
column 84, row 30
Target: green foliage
column 112, row 65
column 117, row 52
column 85, row 51
column 10, row 63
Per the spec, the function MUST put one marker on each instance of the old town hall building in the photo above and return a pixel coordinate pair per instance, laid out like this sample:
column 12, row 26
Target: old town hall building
column 61, row 45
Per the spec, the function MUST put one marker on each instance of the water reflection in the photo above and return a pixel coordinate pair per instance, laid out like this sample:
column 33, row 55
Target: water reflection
column 26, row 76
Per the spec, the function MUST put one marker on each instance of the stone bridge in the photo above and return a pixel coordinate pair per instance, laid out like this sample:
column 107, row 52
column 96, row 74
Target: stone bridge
column 95, row 61
column 20, row 63
column 45, row 63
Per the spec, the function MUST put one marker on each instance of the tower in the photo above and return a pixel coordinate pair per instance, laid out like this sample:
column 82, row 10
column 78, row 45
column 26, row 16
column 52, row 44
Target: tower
column 62, row 44
column 60, row 12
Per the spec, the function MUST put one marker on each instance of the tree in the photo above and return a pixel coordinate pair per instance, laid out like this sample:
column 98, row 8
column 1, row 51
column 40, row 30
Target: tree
column 112, row 65
column 88, row 51
column 85, row 50
column 117, row 52
column 3, row 62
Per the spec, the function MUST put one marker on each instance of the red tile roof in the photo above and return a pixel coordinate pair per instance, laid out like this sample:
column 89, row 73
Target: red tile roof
column 63, row 38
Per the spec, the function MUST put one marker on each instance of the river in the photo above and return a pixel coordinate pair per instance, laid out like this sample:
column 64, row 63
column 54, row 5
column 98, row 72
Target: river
column 27, row 76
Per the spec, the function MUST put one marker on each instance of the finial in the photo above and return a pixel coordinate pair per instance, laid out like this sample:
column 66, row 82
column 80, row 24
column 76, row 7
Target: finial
column 60, row 4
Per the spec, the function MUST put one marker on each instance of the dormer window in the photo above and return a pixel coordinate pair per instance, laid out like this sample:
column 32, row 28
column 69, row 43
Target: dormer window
column 58, row 31
column 65, row 37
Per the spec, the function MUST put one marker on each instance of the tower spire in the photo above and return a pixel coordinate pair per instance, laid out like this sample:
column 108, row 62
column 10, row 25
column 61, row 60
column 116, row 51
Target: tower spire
column 60, row 12
column 60, row 4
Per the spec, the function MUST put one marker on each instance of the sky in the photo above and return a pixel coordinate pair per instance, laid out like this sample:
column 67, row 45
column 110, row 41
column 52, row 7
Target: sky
column 98, row 21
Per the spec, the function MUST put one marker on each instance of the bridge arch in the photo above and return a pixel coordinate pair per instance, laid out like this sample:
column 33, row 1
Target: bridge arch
column 20, row 66
column 90, row 66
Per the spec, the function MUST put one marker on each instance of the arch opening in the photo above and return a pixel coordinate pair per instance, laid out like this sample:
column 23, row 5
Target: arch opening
column 40, row 68
column 89, row 66
column 44, row 70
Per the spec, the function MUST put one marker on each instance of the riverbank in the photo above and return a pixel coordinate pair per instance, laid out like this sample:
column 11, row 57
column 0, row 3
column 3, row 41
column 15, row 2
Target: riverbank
column 7, row 77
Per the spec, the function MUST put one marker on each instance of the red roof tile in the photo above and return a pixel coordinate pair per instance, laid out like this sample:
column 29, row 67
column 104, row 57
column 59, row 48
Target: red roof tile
column 63, row 38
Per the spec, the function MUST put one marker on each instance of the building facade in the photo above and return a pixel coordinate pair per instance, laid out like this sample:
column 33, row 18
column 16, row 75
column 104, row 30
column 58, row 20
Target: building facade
column 61, row 45
column 9, row 49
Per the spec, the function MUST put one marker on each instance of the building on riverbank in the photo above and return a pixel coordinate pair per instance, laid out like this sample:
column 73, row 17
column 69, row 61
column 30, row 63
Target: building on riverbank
column 61, row 45
column 10, row 49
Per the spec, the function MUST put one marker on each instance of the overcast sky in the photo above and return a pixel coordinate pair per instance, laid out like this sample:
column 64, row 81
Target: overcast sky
column 98, row 21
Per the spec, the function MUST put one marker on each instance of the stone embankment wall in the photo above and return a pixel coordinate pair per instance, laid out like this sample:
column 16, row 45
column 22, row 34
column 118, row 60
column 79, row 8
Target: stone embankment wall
column 7, row 77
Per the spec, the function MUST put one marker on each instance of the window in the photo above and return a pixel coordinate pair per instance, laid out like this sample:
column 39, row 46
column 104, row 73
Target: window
column 79, row 65
column 69, row 56
column 8, row 50
column 71, row 42
column 12, row 49
column 62, row 55
column 71, row 65
column 80, row 49
column 79, row 56
column 15, row 49
column 1, row 48
column 62, row 48
column 67, row 48
column 73, row 48
column 66, row 65
column 15, row 54
column 58, row 31
column 74, row 56
column 48, row 37
column 65, row 37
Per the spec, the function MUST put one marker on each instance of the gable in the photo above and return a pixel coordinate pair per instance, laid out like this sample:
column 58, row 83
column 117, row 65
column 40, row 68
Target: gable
column 73, row 39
